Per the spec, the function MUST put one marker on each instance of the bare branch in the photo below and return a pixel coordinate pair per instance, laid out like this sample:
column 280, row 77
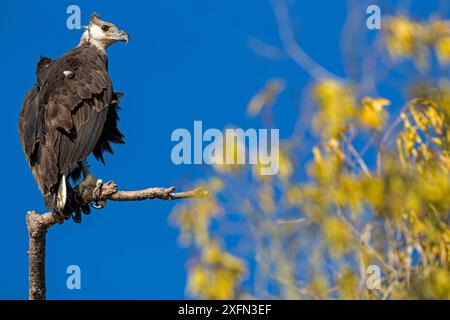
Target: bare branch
column 109, row 191
column 38, row 224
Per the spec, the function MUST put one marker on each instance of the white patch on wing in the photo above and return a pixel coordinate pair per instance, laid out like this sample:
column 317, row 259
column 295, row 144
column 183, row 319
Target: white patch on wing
column 67, row 73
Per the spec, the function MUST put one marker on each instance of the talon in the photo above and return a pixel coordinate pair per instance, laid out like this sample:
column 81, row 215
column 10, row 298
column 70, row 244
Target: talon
column 98, row 187
column 76, row 216
column 98, row 204
column 99, row 183
column 109, row 188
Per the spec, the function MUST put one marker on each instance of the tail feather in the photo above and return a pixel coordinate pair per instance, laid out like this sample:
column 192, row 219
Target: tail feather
column 64, row 201
column 61, row 196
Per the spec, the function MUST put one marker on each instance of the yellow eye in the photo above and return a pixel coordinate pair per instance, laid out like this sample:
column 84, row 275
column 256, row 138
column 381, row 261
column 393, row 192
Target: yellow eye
column 105, row 27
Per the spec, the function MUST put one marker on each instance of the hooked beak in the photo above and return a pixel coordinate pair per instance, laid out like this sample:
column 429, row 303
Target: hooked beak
column 123, row 36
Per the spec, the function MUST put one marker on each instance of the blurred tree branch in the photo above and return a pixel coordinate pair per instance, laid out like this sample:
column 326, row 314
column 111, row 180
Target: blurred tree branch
column 291, row 46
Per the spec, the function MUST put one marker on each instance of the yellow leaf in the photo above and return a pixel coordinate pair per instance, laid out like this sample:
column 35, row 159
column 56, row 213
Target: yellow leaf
column 265, row 97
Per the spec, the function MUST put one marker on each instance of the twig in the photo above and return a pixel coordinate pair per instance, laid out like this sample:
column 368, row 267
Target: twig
column 291, row 46
column 363, row 243
column 387, row 135
column 358, row 158
column 38, row 224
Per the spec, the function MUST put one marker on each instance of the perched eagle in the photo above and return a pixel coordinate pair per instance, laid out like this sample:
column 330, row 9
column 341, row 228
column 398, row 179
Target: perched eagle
column 70, row 113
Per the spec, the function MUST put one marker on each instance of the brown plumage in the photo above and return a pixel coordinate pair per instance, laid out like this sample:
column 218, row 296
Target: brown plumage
column 70, row 113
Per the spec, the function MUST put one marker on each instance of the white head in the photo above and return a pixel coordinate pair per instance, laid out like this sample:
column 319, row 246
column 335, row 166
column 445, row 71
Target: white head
column 102, row 34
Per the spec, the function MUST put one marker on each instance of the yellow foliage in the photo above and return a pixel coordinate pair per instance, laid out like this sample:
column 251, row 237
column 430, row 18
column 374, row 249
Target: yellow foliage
column 372, row 114
column 232, row 149
column 217, row 275
column 265, row 97
column 285, row 166
column 374, row 191
column 319, row 286
column 337, row 235
column 337, row 107
column 442, row 47
column 325, row 169
column 349, row 192
column 348, row 284
column 407, row 38
column 212, row 284
column 400, row 36
column 440, row 282
column 391, row 212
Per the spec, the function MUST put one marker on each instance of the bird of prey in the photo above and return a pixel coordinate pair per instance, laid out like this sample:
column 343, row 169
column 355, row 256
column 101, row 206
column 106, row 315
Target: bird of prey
column 71, row 112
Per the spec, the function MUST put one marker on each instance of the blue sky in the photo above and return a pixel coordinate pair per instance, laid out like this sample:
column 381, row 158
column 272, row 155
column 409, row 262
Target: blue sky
column 187, row 60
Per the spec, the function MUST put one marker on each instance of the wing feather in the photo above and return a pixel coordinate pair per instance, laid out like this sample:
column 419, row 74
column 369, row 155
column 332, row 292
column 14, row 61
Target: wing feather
column 29, row 123
column 63, row 117
column 88, row 124
column 85, row 96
